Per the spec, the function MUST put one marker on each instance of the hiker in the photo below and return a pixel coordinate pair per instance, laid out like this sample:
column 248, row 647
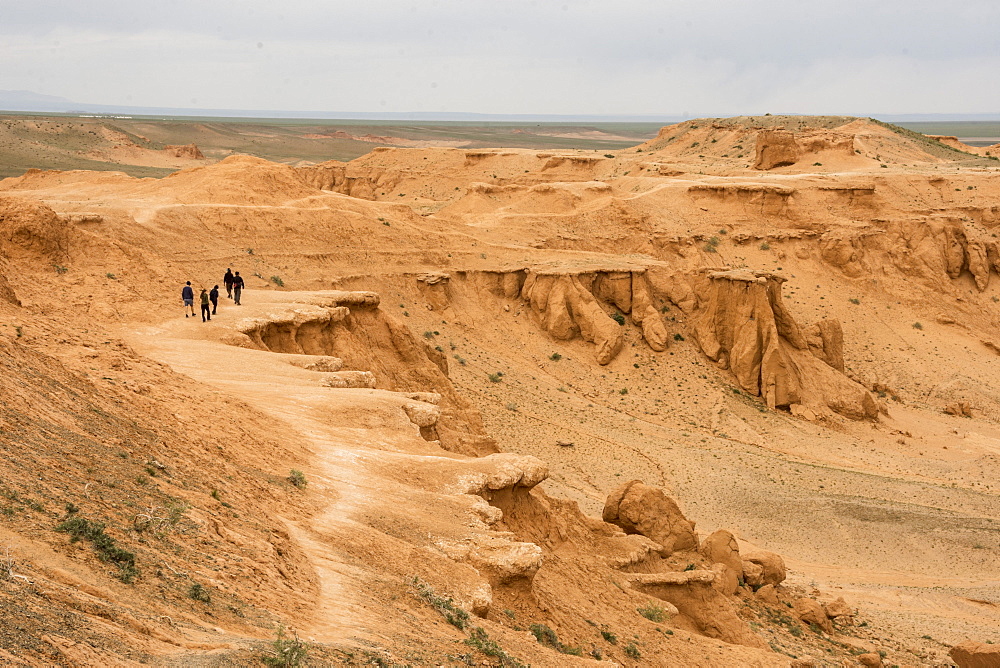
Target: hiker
column 206, row 309
column 237, row 287
column 227, row 280
column 213, row 296
column 187, row 294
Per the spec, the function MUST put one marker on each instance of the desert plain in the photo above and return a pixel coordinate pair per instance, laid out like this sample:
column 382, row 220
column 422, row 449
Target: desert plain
column 728, row 396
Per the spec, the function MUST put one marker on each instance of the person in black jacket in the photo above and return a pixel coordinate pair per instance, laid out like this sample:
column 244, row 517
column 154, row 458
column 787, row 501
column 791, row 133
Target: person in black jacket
column 214, row 297
column 187, row 295
column 237, row 288
column 227, row 280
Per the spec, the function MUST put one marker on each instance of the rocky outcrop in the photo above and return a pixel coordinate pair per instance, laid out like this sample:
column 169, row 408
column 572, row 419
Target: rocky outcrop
column 811, row 612
column 970, row 654
column 770, row 566
column 349, row 379
column 639, row 508
column 742, row 324
column 935, row 250
column 187, row 151
column 348, row 179
column 567, row 309
column 7, row 293
column 571, row 303
column 29, row 229
column 721, row 548
column 775, row 148
column 350, row 327
column 693, row 595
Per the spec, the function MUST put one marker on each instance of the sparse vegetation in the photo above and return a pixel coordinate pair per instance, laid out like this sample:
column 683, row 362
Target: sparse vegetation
column 618, row 317
column 277, row 281
column 297, row 478
column 653, row 612
column 286, row 652
column 494, row 377
column 765, row 246
column 610, row 637
column 555, row 357
column 199, row 593
column 854, row 300
column 445, row 605
column 632, row 652
column 546, row 636
column 917, row 325
column 107, row 549
column 678, row 337
column 480, row 640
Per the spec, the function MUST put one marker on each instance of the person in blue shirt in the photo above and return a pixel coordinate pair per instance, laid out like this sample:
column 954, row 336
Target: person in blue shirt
column 187, row 294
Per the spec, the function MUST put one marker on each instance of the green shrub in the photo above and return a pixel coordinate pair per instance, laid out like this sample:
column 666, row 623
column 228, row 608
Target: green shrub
column 765, row 246
column 494, row 377
column 445, row 605
column 277, row 281
column 618, row 317
column 610, row 637
column 632, row 652
column 678, row 337
column 199, row 593
column 555, row 357
column 480, row 640
column 297, row 478
column 545, row 635
column 917, row 325
column 287, row 652
column 107, row 550
column 854, row 300
column 653, row 612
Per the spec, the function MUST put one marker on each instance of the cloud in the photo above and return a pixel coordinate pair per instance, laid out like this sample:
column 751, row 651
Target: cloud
column 518, row 56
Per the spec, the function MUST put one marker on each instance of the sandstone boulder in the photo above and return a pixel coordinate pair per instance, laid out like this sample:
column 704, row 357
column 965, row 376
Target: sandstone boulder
column 753, row 575
column 321, row 363
column 422, row 414
column 768, row 594
column 721, row 548
column 349, row 379
column 503, row 560
column 772, row 566
column 639, row 508
column 811, row 612
column 969, row 654
column 838, row 608
column 486, row 475
column 870, row 659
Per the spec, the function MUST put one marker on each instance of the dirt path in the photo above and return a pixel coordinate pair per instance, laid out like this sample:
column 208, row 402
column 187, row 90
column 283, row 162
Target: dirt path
column 338, row 462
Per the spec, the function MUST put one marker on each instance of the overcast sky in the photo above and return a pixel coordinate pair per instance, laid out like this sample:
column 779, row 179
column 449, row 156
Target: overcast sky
column 723, row 57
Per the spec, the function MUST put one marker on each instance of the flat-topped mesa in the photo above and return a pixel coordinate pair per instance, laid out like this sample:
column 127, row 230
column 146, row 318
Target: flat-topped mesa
column 741, row 323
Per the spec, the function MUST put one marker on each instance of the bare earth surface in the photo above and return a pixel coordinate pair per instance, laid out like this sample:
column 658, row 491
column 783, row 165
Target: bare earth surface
column 415, row 440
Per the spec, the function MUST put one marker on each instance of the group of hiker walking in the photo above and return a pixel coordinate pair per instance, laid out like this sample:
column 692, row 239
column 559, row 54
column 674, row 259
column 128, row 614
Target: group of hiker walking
column 210, row 298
